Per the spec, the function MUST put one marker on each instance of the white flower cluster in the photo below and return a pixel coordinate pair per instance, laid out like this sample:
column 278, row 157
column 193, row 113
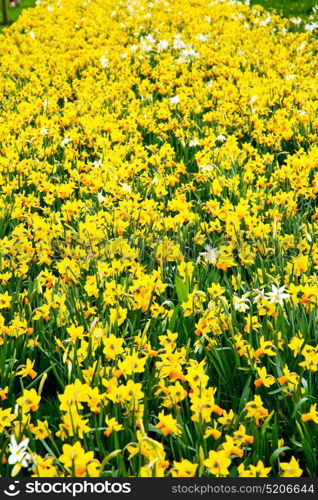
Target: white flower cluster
column 311, row 27
column 149, row 44
column 276, row 296
column 187, row 52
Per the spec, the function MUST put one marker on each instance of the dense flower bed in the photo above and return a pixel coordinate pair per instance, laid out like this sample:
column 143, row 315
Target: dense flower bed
column 158, row 268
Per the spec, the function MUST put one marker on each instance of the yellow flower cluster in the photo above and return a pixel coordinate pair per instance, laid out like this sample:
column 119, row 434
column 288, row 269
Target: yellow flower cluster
column 159, row 253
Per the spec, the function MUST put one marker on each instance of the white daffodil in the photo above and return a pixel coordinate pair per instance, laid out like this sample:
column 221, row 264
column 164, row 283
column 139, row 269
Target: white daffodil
column 194, row 142
column 187, row 55
column 241, row 303
column 260, row 294
column 202, row 38
column 18, row 452
column 277, row 295
column 174, row 100
column 178, row 43
column 210, row 255
column 266, row 21
column 65, row 141
column 44, row 131
column 150, row 39
column 162, row 45
column 101, row 198
column 311, row 27
column 104, row 62
column 221, row 138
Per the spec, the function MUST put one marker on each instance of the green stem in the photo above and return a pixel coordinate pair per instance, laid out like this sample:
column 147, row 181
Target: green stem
column 5, row 12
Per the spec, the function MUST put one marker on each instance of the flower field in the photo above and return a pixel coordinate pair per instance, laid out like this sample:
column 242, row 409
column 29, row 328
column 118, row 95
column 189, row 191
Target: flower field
column 159, row 252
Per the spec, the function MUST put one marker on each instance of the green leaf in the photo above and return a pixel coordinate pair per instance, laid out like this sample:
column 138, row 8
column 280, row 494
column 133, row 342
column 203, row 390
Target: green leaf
column 181, row 289
column 276, row 453
column 245, row 394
